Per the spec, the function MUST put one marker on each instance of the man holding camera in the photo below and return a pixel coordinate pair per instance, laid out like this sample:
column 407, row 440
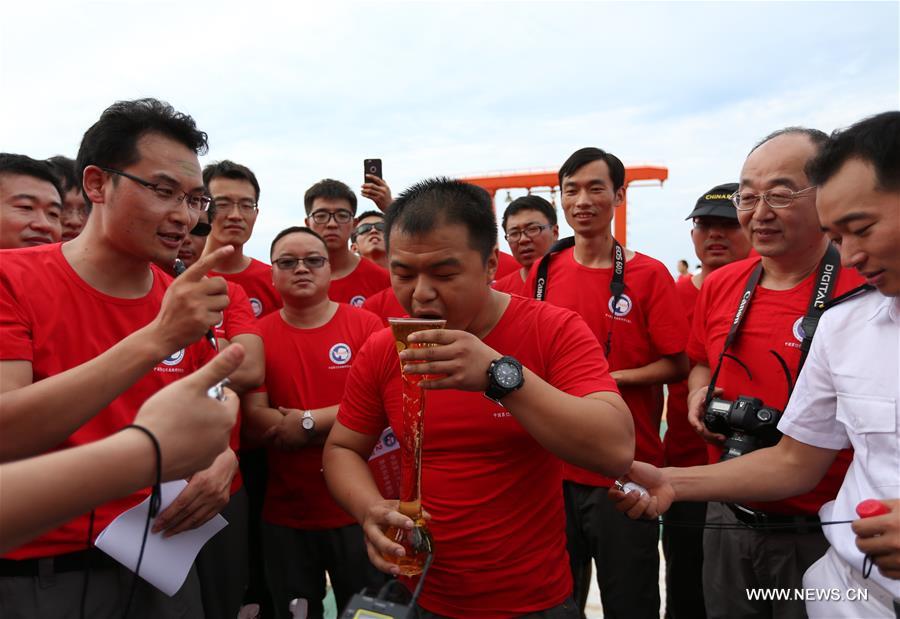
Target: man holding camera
column 748, row 336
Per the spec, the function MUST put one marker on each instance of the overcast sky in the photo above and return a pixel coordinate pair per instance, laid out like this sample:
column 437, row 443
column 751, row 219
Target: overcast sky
column 305, row 91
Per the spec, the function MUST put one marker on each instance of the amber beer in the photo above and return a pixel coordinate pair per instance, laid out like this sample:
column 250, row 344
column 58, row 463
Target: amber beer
column 417, row 541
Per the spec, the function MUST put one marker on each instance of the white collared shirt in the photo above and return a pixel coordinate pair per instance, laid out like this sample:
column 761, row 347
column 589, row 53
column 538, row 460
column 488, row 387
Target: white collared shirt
column 847, row 395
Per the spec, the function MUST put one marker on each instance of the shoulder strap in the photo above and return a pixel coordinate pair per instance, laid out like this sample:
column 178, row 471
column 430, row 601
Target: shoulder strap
column 818, row 302
column 540, row 282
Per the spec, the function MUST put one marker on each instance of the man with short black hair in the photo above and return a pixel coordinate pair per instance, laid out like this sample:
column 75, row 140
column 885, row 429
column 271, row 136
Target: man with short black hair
column 76, row 208
column 30, row 202
column 367, row 238
column 235, row 195
column 141, row 173
column 628, row 300
column 330, row 210
column 232, row 214
column 718, row 240
column 529, row 225
column 491, row 468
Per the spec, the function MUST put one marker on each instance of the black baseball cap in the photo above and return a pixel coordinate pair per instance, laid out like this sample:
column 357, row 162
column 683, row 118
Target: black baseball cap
column 716, row 203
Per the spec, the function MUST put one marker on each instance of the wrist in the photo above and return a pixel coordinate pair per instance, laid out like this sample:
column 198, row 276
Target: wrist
column 132, row 448
column 151, row 343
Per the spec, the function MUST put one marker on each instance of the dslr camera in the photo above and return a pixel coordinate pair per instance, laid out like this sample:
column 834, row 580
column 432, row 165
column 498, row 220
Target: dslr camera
column 745, row 421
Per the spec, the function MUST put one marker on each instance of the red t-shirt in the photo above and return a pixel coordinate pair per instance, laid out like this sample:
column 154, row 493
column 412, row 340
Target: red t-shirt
column 237, row 319
column 512, row 283
column 682, row 444
column 54, row 319
column 385, row 305
column 649, row 324
column 772, row 324
column 492, row 490
column 362, row 282
column 307, row 369
column 256, row 280
column 506, row 265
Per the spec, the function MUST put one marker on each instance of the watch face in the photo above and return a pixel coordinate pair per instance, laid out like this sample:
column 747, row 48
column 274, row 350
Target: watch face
column 308, row 423
column 507, row 375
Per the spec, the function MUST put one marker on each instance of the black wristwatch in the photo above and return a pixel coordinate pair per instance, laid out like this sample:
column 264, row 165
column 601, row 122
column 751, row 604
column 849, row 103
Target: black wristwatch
column 505, row 375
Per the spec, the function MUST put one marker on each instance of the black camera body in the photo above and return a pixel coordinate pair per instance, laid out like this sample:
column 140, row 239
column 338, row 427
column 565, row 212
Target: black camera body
column 746, row 422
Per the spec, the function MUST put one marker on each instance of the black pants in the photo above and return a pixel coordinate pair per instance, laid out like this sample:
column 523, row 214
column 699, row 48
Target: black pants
column 254, row 470
column 222, row 563
column 296, row 563
column 624, row 551
column 683, row 548
column 735, row 560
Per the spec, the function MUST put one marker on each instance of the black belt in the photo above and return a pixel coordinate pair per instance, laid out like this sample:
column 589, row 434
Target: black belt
column 44, row 566
column 762, row 520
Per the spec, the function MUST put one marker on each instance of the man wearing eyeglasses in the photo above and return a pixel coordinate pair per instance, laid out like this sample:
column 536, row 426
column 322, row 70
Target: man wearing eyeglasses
column 310, row 346
column 76, row 209
column 718, row 240
column 776, row 204
column 222, row 564
column 141, row 173
column 235, row 195
column 529, row 224
column 367, row 239
column 330, row 209
column 235, row 205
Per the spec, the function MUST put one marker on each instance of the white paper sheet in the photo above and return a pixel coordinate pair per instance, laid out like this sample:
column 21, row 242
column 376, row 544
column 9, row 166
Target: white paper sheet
column 166, row 561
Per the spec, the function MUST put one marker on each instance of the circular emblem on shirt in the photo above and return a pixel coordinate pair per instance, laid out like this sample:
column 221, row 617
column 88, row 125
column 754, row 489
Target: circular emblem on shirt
column 623, row 307
column 799, row 333
column 357, row 301
column 256, row 304
column 175, row 358
column 340, row 353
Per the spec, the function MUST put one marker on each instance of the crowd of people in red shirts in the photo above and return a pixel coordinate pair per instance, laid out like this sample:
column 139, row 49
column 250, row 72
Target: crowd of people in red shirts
column 126, row 293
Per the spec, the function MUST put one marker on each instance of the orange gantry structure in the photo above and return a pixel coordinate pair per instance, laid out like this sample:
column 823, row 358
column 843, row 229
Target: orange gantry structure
column 549, row 178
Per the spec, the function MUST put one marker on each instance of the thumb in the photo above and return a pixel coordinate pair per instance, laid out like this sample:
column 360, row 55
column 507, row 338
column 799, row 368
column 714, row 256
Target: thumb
column 285, row 411
column 221, row 366
column 207, row 263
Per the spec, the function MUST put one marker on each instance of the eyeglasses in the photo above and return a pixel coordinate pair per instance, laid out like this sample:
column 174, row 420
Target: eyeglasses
column 245, row 206
column 366, row 228
column 776, row 198
column 168, row 195
column 704, row 224
column 310, row 262
column 341, row 216
column 531, row 231
column 201, row 229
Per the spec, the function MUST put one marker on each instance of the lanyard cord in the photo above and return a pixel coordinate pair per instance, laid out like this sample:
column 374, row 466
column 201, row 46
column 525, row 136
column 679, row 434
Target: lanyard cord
column 616, row 284
column 153, row 510
column 819, row 301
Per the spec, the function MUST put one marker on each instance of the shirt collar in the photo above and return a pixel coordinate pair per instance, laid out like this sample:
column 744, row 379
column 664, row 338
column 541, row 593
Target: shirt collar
column 887, row 310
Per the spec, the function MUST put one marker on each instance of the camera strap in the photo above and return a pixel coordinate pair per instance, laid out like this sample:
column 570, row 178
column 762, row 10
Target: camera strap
column 616, row 284
column 826, row 279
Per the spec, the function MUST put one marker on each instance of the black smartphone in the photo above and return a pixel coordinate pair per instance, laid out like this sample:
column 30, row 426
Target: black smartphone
column 371, row 166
